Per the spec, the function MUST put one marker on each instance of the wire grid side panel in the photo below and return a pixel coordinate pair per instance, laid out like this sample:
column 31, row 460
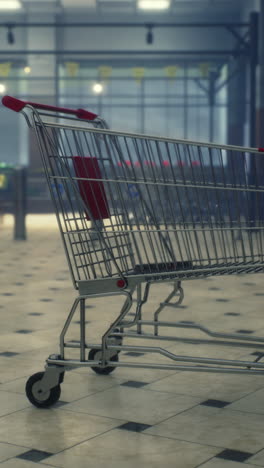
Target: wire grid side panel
column 95, row 247
column 173, row 204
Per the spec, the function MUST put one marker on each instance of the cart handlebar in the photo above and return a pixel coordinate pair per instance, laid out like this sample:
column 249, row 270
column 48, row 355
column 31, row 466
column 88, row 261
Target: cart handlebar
column 17, row 105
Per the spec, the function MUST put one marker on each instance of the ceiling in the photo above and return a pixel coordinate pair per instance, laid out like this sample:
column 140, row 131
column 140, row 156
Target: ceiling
column 201, row 9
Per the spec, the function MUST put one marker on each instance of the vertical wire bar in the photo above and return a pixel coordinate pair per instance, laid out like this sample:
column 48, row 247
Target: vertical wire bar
column 165, row 238
column 91, row 149
column 43, row 140
column 82, row 330
column 56, row 161
column 79, row 243
column 148, row 213
column 235, row 196
column 248, row 223
column 85, row 230
column 161, row 237
column 206, row 199
column 212, row 174
column 144, row 180
column 222, row 240
column 139, row 299
column 173, row 214
column 122, row 226
column 226, row 191
column 188, row 200
column 83, row 236
column 184, row 233
column 59, row 161
column 195, row 191
column 102, row 238
column 135, row 212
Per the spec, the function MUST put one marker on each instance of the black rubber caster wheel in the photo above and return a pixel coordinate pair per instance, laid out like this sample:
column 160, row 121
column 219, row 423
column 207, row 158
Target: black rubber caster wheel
column 39, row 398
column 95, row 355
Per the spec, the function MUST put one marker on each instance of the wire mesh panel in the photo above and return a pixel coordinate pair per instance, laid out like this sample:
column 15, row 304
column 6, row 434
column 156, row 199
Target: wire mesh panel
column 137, row 204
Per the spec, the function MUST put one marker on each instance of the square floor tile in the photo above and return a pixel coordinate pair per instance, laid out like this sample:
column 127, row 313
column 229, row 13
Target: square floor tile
column 234, row 455
column 232, row 314
column 52, row 430
column 133, row 384
column 215, row 403
column 8, row 354
column 252, row 403
column 134, row 427
column 245, row 331
column 258, row 459
column 24, row 331
column 126, row 449
column 11, row 402
column 34, row 455
column 138, row 405
column 218, row 427
column 8, row 450
column 225, row 387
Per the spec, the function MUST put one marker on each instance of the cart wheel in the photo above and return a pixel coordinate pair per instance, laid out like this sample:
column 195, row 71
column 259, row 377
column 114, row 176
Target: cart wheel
column 95, row 355
column 37, row 397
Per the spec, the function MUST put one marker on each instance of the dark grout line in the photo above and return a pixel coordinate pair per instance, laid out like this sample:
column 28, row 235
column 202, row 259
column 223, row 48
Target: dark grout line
column 205, row 461
column 92, row 394
column 246, row 395
column 14, row 445
column 85, row 440
column 15, row 412
column 93, row 414
column 183, row 440
column 177, row 414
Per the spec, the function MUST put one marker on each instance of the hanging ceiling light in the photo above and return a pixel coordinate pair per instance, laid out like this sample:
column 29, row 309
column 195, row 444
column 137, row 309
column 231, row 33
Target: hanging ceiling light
column 98, row 88
column 2, row 88
column 27, row 69
column 10, row 5
column 154, row 4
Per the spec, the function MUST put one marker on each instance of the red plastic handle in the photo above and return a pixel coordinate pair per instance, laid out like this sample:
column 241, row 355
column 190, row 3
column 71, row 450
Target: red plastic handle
column 17, row 105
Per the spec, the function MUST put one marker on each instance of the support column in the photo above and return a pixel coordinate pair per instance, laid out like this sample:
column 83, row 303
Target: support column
column 253, row 168
column 236, row 109
column 260, row 85
column 236, row 118
column 260, row 115
column 42, row 66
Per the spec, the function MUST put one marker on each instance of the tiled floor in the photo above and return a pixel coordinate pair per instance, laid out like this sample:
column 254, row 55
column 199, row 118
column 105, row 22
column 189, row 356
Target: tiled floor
column 133, row 417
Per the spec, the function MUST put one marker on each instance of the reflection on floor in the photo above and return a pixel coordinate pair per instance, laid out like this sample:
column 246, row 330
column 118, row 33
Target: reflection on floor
column 133, row 417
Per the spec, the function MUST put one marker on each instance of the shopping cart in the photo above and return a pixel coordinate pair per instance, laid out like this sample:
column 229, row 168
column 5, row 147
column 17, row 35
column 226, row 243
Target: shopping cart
column 136, row 210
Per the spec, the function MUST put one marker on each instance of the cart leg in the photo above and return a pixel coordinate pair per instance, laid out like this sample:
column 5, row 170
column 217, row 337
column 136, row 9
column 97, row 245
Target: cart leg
column 82, row 330
column 176, row 289
column 66, row 326
column 140, row 303
column 139, row 313
column 118, row 322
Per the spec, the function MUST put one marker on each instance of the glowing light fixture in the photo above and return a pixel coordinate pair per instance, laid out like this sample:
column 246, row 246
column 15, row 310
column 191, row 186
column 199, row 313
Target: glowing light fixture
column 154, row 4
column 10, row 5
column 98, row 88
column 27, row 69
column 2, row 88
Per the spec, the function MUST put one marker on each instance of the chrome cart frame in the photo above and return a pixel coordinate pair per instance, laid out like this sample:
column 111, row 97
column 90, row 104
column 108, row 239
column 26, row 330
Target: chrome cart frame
column 136, row 210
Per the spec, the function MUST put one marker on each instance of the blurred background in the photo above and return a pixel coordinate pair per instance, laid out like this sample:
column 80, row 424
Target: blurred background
column 179, row 68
